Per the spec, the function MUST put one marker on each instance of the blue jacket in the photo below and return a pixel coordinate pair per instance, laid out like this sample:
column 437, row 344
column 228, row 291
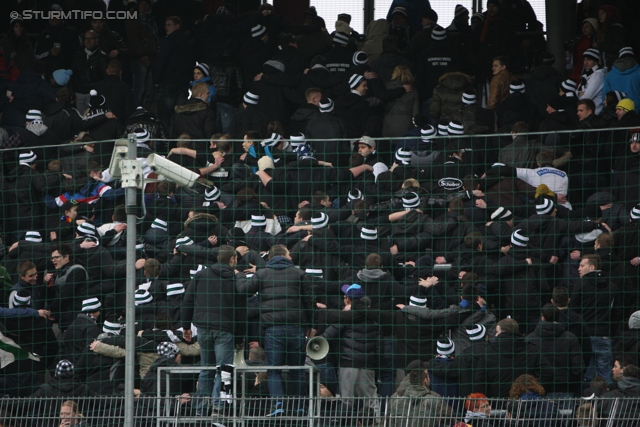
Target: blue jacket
column 625, row 77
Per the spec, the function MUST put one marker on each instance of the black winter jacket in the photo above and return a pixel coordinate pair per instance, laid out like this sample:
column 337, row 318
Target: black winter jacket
column 560, row 357
column 574, row 323
column 87, row 71
column 358, row 340
column 175, row 59
column 195, row 118
column 22, row 199
column 597, row 300
column 67, row 122
column 507, row 357
column 354, row 110
column 285, row 293
column 78, row 336
column 212, row 302
column 64, row 386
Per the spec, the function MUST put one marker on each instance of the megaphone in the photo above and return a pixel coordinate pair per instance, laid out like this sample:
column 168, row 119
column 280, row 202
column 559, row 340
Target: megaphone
column 172, row 171
column 317, row 348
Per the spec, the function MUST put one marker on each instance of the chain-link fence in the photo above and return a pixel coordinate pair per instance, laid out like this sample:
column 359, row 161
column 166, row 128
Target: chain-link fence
column 493, row 257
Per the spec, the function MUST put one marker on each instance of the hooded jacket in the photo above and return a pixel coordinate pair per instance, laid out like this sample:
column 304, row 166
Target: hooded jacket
column 195, row 118
column 560, row 357
column 420, row 408
column 508, row 356
column 447, row 96
column 376, row 32
column 399, row 112
column 625, row 77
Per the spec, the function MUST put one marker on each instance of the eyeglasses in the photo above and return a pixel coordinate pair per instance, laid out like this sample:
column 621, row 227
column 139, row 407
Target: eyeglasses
column 55, row 257
column 91, row 38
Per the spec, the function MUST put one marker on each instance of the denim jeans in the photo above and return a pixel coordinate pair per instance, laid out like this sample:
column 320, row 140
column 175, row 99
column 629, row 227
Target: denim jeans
column 216, row 348
column 224, row 116
column 387, row 372
column 141, row 83
column 602, row 359
column 168, row 95
column 285, row 345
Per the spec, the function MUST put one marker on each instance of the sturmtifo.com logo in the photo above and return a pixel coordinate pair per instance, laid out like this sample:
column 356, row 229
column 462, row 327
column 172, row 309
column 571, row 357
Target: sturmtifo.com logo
column 74, row 14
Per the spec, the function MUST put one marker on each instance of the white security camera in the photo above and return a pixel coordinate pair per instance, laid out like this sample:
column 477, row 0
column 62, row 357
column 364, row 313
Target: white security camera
column 120, row 151
column 171, row 171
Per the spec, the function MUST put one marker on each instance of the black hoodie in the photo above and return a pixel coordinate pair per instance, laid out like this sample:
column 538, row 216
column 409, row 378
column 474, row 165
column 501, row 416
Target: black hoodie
column 508, row 356
column 560, row 357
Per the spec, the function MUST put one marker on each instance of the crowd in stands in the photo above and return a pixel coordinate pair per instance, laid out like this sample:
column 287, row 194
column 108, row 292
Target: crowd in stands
column 383, row 191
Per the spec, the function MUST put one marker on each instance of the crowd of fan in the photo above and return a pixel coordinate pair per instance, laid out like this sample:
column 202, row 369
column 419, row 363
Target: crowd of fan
column 351, row 187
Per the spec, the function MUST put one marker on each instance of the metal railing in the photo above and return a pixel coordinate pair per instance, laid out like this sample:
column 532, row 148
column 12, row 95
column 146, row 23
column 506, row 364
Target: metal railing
column 245, row 405
column 418, row 411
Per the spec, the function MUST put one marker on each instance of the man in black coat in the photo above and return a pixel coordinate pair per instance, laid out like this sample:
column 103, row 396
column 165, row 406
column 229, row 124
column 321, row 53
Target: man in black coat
column 172, row 69
column 438, row 59
column 89, row 67
column 358, row 348
column 557, row 119
column 507, row 357
column 23, row 209
column 596, row 299
column 248, row 117
column 64, row 383
column 515, row 108
column 253, row 53
column 82, row 331
column 276, row 102
column 561, row 364
column 286, row 304
column 287, row 53
column 214, row 306
column 305, row 113
column 572, row 322
column 355, row 111
column 37, row 137
column 327, row 127
column 116, row 92
column 56, row 45
column 70, row 283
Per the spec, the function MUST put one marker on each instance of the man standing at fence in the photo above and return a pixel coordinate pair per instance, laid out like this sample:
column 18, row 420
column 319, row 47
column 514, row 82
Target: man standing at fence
column 286, row 306
column 213, row 305
column 595, row 298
